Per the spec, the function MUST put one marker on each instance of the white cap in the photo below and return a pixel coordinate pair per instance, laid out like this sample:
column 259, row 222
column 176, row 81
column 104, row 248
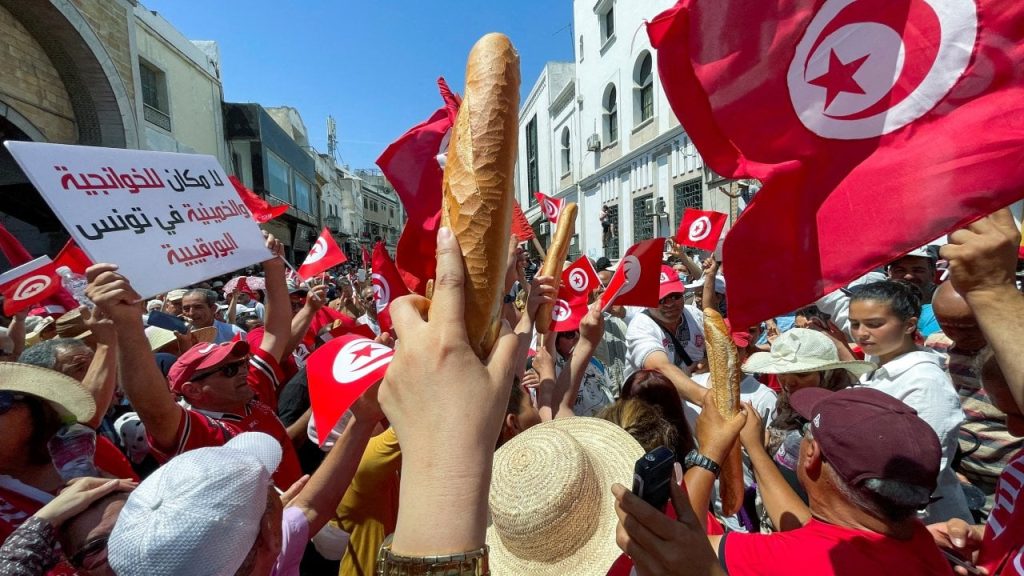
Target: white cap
column 199, row 514
column 699, row 284
column 921, row 252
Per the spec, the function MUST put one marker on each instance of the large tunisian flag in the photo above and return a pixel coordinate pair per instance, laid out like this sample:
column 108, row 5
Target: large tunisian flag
column 412, row 164
column 875, row 125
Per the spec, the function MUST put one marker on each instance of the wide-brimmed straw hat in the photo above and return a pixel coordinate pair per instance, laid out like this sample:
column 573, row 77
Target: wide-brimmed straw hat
column 207, row 334
column 551, row 507
column 159, row 337
column 802, row 350
column 72, row 325
column 67, row 397
column 34, row 327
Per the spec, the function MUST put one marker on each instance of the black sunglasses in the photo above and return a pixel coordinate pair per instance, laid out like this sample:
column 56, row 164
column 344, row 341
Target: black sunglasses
column 671, row 297
column 227, row 370
column 8, row 400
column 91, row 548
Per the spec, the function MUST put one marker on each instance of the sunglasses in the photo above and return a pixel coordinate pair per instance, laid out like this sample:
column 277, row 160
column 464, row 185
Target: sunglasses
column 92, row 555
column 569, row 335
column 671, row 298
column 8, row 400
column 227, row 370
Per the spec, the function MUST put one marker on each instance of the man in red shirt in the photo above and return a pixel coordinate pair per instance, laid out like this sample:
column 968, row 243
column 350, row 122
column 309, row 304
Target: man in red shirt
column 868, row 464
column 219, row 386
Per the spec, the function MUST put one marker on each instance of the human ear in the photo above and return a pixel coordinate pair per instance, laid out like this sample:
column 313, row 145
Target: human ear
column 910, row 325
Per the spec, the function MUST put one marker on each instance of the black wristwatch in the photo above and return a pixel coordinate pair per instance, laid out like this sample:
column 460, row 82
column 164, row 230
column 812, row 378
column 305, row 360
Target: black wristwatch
column 695, row 458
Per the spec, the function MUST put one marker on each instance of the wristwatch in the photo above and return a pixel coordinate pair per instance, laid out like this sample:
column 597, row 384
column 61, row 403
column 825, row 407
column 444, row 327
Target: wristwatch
column 695, row 458
column 473, row 563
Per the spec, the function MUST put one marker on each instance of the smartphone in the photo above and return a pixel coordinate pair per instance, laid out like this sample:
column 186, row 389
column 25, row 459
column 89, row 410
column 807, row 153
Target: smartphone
column 955, row 561
column 652, row 474
column 167, row 322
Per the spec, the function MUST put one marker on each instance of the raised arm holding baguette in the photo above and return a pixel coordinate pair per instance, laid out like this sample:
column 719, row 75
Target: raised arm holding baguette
column 724, row 364
column 478, row 181
column 445, row 394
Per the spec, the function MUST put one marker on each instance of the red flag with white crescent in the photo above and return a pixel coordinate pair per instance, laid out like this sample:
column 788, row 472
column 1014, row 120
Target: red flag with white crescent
column 339, row 372
column 387, row 285
column 580, row 277
column 551, row 207
column 569, row 310
column 875, row 127
column 637, row 277
column 324, row 255
column 29, row 284
column 701, row 228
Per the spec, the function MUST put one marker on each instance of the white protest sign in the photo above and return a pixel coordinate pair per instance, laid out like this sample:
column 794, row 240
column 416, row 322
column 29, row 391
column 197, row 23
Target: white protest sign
column 167, row 220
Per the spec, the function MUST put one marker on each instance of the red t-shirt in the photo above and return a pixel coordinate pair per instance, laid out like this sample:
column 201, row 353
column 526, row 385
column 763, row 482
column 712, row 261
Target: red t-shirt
column 623, row 566
column 201, row 428
column 110, row 459
column 1002, row 550
column 822, row 549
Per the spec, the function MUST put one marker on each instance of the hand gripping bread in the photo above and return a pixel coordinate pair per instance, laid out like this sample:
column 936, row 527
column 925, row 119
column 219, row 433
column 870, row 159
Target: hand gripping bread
column 555, row 258
column 478, row 181
column 723, row 360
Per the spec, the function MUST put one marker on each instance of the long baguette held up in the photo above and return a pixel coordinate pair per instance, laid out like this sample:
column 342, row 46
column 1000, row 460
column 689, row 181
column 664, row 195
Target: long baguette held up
column 723, row 360
column 478, row 181
column 555, row 259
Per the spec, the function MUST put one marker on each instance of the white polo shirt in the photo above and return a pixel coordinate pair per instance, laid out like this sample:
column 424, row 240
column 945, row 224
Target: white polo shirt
column 644, row 337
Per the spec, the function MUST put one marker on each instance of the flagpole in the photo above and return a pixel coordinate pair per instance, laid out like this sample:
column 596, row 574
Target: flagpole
column 290, row 265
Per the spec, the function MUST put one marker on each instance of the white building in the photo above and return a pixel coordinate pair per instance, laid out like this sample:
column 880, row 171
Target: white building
column 179, row 88
column 628, row 152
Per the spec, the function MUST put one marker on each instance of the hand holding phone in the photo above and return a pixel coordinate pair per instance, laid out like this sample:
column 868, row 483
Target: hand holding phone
column 652, row 474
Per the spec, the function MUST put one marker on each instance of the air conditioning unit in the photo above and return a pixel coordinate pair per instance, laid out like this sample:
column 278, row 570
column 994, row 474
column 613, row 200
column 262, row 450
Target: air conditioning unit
column 649, row 206
column 594, row 142
column 545, row 228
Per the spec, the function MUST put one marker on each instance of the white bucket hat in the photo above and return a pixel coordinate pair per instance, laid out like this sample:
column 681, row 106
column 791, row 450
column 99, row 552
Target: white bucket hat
column 802, row 350
column 551, row 507
column 199, row 514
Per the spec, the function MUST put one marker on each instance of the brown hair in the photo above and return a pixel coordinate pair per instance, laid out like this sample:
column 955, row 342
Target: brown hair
column 643, row 421
column 654, row 388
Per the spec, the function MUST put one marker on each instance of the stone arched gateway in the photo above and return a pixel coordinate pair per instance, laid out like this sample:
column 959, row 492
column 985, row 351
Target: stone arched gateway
column 69, row 79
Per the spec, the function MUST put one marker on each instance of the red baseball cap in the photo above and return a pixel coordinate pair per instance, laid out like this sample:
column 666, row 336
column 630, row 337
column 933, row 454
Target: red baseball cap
column 865, row 434
column 201, row 357
column 741, row 338
column 670, row 282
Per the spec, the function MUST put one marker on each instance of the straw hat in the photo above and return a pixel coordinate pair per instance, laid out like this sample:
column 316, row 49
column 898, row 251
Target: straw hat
column 802, row 350
column 551, row 505
column 63, row 393
column 34, row 327
column 159, row 337
column 205, row 335
column 72, row 325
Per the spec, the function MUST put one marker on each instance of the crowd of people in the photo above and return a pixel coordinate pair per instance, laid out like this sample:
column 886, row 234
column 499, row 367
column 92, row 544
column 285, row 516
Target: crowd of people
column 880, row 427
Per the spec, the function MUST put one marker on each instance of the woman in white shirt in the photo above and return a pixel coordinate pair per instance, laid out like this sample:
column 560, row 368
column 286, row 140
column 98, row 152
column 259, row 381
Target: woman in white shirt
column 883, row 321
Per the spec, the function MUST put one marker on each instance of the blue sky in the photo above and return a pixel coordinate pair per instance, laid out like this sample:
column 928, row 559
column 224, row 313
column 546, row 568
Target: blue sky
column 371, row 64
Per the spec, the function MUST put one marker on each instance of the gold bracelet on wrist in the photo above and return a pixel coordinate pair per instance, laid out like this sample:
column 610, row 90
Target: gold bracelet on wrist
column 472, row 563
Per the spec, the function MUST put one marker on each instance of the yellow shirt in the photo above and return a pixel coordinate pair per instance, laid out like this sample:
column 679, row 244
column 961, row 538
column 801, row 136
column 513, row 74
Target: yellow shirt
column 369, row 510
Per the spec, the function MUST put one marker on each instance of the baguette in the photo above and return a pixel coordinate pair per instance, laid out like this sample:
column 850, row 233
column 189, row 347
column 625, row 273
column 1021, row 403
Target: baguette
column 478, row 181
column 723, row 360
column 555, row 259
